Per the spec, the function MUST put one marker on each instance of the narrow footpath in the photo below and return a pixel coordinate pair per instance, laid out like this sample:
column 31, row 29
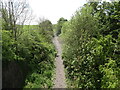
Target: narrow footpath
column 59, row 81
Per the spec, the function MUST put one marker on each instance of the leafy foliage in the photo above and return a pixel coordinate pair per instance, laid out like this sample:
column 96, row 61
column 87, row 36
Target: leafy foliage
column 35, row 50
column 90, row 53
column 59, row 25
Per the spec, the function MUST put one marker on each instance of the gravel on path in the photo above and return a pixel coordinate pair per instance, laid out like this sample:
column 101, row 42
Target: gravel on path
column 59, row 81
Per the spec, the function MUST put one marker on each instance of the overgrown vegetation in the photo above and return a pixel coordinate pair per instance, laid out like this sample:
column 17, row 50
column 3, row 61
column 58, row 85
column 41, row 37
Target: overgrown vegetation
column 59, row 25
column 91, row 46
column 27, row 50
column 35, row 52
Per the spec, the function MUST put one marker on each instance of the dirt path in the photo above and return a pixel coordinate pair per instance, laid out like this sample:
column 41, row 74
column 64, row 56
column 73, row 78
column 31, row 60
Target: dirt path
column 59, row 81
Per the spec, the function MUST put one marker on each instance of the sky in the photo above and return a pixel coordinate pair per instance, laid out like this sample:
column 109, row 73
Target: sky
column 54, row 9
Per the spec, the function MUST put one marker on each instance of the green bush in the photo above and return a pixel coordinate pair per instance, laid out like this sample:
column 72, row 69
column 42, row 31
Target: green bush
column 34, row 49
column 91, row 59
column 8, row 50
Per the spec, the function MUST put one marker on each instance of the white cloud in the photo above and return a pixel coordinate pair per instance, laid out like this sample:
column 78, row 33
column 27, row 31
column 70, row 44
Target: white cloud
column 54, row 9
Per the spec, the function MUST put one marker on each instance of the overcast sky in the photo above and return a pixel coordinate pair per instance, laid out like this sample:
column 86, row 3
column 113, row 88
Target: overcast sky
column 54, row 9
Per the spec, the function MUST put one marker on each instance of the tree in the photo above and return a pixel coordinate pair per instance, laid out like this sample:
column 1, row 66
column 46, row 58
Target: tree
column 15, row 13
column 45, row 28
column 45, row 24
column 109, row 17
column 90, row 48
column 59, row 25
